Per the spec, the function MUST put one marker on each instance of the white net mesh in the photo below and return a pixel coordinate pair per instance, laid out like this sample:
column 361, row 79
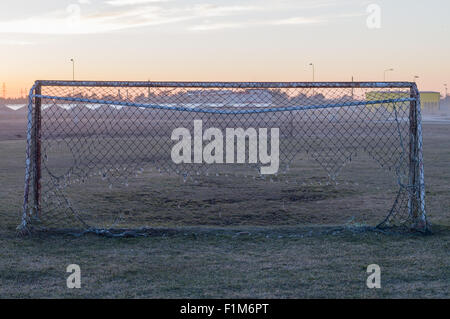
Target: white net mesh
column 101, row 154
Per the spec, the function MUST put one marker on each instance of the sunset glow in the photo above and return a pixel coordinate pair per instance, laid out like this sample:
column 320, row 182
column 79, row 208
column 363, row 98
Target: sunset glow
column 254, row 40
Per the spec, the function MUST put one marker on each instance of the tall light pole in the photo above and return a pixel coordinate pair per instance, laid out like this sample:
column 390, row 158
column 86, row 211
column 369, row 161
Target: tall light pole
column 445, row 85
column 352, row 88
column 314, row 71
column 313, row 74
column 73, row 69
column 384, row 74
column 415, row 78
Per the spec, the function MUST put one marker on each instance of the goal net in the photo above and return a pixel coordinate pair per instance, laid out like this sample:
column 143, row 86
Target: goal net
column 133, row 155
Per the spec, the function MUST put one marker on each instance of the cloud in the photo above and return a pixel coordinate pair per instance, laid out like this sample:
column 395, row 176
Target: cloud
column 217, row 26
column 210, row 10
column 15, row 42
column 138, row 13
column 73, row 21
column 120, row 3
column 297, row 20
column 62, row 22
column 235, row 25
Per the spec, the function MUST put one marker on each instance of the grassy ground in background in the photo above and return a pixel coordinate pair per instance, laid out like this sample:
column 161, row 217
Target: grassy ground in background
column 276, row 262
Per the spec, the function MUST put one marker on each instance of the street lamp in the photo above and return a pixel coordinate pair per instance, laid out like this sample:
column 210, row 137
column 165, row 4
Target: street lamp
column 352, row 88
column 445, row 85
column 384, row 75
column 73, row 69
column 415, row 78
column 312, row 64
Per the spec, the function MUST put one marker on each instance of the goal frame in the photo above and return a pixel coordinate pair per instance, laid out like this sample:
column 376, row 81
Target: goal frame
column 416, row 206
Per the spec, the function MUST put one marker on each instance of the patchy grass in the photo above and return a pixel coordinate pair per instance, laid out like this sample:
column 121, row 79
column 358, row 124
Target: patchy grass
column 254, row 264
column 240, row 260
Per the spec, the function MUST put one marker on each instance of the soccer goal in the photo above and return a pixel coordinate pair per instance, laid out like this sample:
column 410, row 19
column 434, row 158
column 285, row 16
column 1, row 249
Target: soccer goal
column 133, row 155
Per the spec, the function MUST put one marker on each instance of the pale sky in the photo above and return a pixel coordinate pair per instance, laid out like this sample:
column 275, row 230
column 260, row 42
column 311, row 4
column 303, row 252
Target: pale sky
column 224, row 40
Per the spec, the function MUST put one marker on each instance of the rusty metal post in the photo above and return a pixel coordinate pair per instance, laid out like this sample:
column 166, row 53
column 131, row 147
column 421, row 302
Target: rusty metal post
column 37, row 155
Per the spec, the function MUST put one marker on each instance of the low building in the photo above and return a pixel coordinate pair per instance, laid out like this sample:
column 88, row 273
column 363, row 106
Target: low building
column 430, row 101
column 385, row 96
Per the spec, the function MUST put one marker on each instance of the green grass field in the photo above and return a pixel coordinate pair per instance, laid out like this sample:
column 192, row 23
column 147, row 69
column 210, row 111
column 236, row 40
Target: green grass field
column 266, row 255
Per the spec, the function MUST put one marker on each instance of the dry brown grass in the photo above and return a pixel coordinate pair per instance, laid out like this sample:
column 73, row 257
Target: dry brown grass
column 239, row 261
